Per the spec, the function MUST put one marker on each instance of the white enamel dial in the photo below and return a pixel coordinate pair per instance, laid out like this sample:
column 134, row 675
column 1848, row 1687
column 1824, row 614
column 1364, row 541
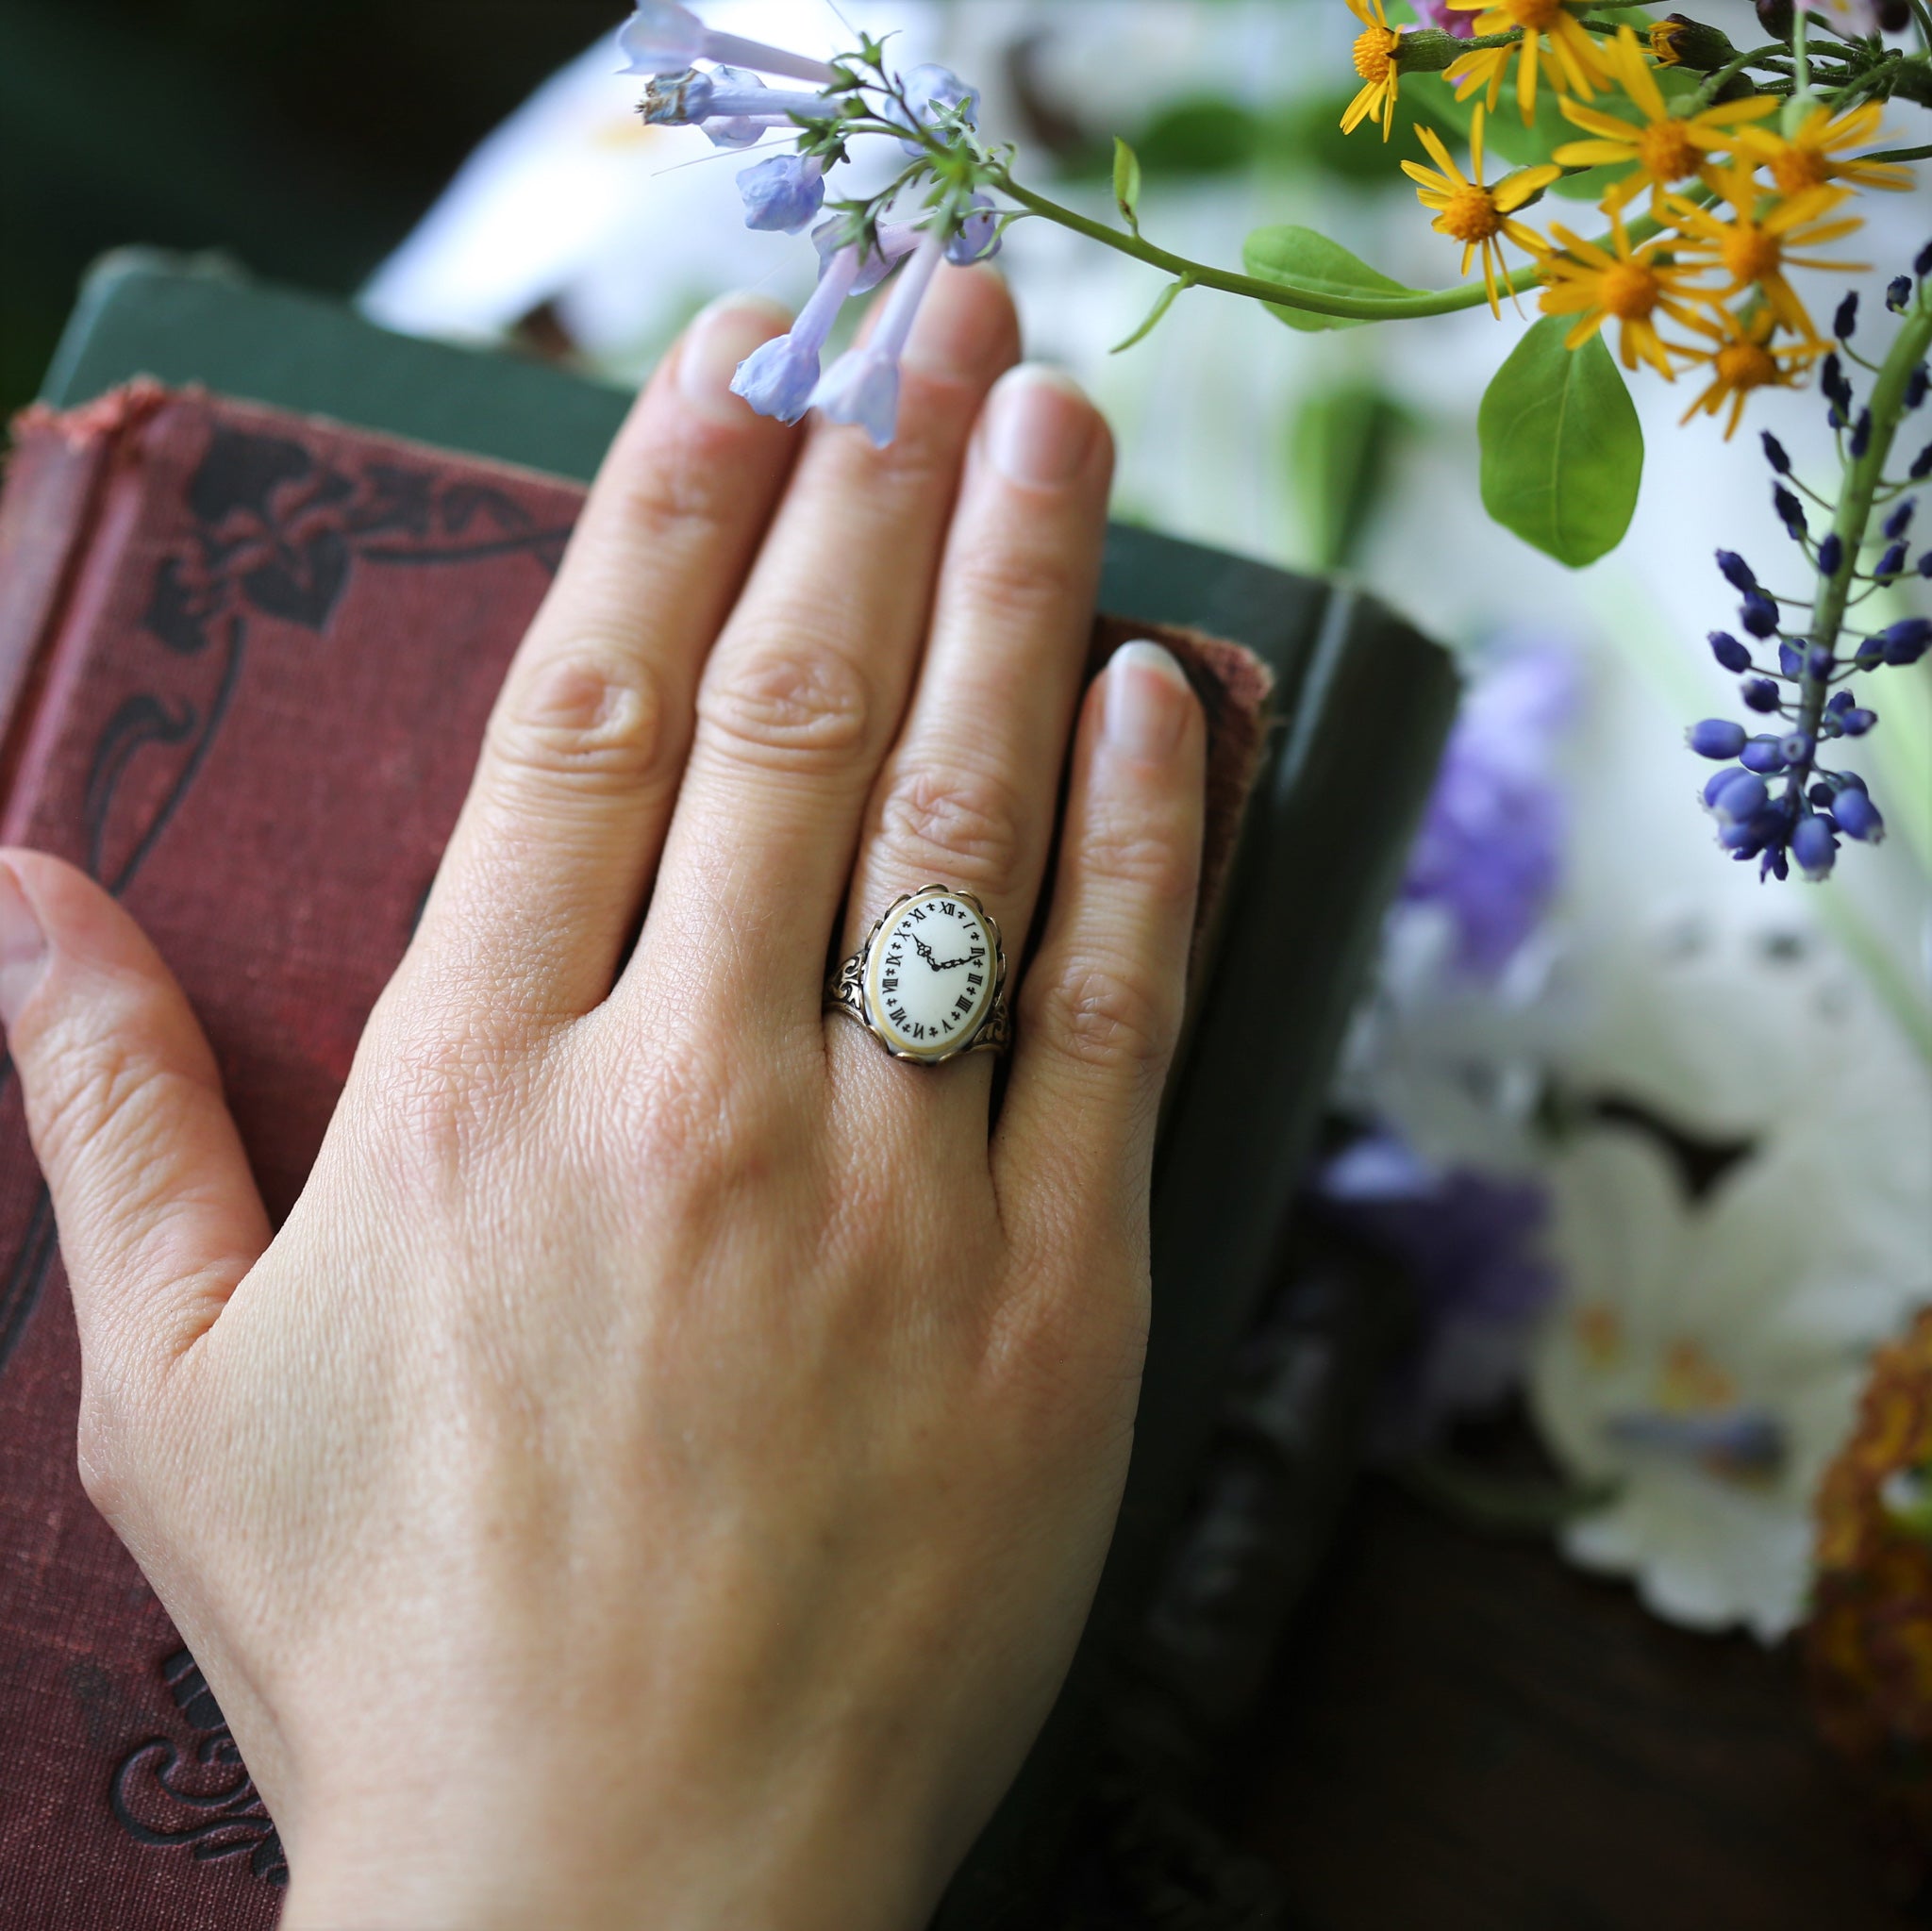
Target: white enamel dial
column 930, row 975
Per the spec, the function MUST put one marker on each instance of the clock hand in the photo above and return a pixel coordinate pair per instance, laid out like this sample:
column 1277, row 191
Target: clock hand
column 924, row 951
column 946, row 965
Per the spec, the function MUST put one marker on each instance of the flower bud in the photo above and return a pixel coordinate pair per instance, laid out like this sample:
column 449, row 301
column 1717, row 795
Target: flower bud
column 1813, row 846
column 1716, row 738
column 1820, row 661
column 1736, row 573
column 1861, row 433
column 1791, row 661
column 1427, row 50
column 1856, row 815
column 1924, row 566
column 1775, row 17
column 1758, row 614
column 978, row 239
column 1759, row 694
column 1774, row 453
column 1677, row 41
column 1906, row 642
column 1916, row 381
column 1898, row 292
column 1892, row 562
column 1790, row 513
column 1742, row 799
column 1729, row 653
column 1900, row 521
column 1831, row 554
column 1856, row 722
column 1846, row 319
column 1762, row 755
column 780, row 195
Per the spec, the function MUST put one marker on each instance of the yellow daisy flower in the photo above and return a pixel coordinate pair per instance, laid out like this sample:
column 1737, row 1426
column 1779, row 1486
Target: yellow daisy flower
column 1376, row 49
column 1666, row 149
column 1632, row 285
column 1742, row 356
column 1809, row 157
column 1752, row 251
column 1470, row 213
column 1570, row 50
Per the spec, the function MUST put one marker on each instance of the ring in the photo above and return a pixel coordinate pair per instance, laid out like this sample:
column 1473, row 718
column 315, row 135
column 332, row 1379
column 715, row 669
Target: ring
column 929, row 982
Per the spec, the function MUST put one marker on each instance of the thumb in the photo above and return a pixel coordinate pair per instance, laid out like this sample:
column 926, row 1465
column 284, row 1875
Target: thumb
column 157, row 1212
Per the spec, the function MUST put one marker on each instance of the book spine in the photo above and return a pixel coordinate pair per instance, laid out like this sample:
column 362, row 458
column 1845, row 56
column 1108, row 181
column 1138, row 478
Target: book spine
column 58, row 475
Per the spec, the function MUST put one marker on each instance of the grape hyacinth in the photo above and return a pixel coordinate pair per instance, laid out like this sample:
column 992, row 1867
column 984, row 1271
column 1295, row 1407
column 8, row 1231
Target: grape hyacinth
column 934, row 209
column 1778, row 800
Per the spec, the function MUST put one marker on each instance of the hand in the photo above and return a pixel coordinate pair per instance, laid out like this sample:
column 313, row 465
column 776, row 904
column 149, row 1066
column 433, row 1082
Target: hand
column 667, row 1454
column 946, row 965
column 924, row 950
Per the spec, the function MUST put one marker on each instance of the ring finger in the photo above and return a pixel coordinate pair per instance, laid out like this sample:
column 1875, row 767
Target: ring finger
column 967, row 796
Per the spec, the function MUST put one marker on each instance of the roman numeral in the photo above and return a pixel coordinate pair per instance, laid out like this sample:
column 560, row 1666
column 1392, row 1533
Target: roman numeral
column 973, row 980
column 888, row 985
column 898, row 1015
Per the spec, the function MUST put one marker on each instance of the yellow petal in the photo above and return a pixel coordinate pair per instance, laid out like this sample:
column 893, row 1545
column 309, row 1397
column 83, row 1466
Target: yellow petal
column 1514, row 189
column 1592, row 154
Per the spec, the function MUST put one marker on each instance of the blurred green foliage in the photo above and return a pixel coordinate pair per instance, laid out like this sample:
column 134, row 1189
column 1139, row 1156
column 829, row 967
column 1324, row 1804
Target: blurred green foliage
column 304, row 140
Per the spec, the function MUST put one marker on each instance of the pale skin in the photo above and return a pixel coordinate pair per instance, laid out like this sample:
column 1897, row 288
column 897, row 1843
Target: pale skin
column 667, row 1455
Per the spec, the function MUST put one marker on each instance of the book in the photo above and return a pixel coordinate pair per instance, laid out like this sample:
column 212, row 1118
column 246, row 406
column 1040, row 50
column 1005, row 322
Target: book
column 248, row 637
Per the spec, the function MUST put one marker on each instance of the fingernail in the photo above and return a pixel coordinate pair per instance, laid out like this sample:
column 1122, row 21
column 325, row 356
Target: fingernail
column 1040, row 426
column 1146, row 702
column 23, row 948
column 719, row 338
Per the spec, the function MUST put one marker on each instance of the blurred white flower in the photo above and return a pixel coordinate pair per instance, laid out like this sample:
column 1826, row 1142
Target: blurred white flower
column 1706, row 1361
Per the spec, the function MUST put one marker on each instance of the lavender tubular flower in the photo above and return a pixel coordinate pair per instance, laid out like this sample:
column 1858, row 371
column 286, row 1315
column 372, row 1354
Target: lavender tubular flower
column 732, row 106
column 862, row 386
column 780, row 195
column 978, row 239
column 895, row 240
column 779, row 377
column 662, row 37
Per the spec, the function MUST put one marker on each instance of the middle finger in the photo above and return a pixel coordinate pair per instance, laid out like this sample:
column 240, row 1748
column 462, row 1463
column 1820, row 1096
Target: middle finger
column 803, row 691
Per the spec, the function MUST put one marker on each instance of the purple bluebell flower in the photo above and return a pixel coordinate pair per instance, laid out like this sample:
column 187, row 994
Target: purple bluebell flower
column 895, row 240
column 1846, row 319
column 1732, row 655
column 780, row 195
column 1831, row 379
column 1831, row 554
column 1715, row 783
column 1861, row 435
column 1870, row 652
column 1490, row 849
column 1921, row 465
column 1759, row 694
column 778, row 377
column 1855, row 721
column 1765, row 754
column 862, row 386
column 1857, row 816
column 930, row 91
column 1716, row 738
column 1774, row 453
column 978, row 239
column 1789, row 660
column 1892, row 562
column 661, row 37
column 1900, row 521
column 1898, row 292
column 731, row 104
column 1470, row 1245
column 1790, row 513
column 1819, row 660
column 1758, row 613
column 1813, row 846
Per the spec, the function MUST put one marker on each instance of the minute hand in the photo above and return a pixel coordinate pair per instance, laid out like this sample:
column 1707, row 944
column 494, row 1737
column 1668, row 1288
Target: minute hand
column 946, row 965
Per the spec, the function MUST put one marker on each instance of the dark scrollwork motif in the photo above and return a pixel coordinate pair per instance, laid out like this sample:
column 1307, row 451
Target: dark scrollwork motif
column 277, row 532
column 198, row 1798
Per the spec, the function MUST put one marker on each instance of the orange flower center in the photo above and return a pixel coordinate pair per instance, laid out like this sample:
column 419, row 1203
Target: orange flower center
column 1534, row 16
column 1750, row 253
column 1629, row 290
column 1374, row 53
column 1742, row 365
column 1469, row 214
column 1795, row 169
column 1668, row 153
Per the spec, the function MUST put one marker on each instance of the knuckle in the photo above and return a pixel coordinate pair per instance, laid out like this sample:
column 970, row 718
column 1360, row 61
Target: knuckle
column 106, row 1094
column 586, row 714
column 446, row 1087
column 1124, row 849
column 968, row 822
column 1103, row 1015
column 802, row 706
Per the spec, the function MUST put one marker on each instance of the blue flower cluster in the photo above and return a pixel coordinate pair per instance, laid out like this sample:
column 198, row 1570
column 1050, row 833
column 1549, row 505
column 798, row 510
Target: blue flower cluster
column 929, row 112
column 1777, row 800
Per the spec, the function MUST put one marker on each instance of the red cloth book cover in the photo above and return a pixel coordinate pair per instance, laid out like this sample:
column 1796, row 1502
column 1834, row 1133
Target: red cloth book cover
column 246, row 660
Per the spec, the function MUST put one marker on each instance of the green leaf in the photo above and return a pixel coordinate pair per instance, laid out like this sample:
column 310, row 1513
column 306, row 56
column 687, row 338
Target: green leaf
column 1339, row 451
column 1127, row 183
column 1162, row 302
column 1301, row 258
column 1562, row 453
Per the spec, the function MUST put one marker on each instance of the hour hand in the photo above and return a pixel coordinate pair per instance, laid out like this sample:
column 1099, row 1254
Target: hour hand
column 924, row 951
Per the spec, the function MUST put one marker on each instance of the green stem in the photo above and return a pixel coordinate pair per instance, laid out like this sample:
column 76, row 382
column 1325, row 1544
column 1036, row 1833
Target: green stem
column 1854, row 517
column 1280, row 294
column 1801, row 52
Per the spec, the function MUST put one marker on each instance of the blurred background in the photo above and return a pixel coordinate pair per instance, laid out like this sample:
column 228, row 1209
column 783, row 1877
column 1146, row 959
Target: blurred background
column 1655, row 1141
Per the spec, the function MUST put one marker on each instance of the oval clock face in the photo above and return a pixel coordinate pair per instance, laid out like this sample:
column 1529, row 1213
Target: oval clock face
column 930, row 976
